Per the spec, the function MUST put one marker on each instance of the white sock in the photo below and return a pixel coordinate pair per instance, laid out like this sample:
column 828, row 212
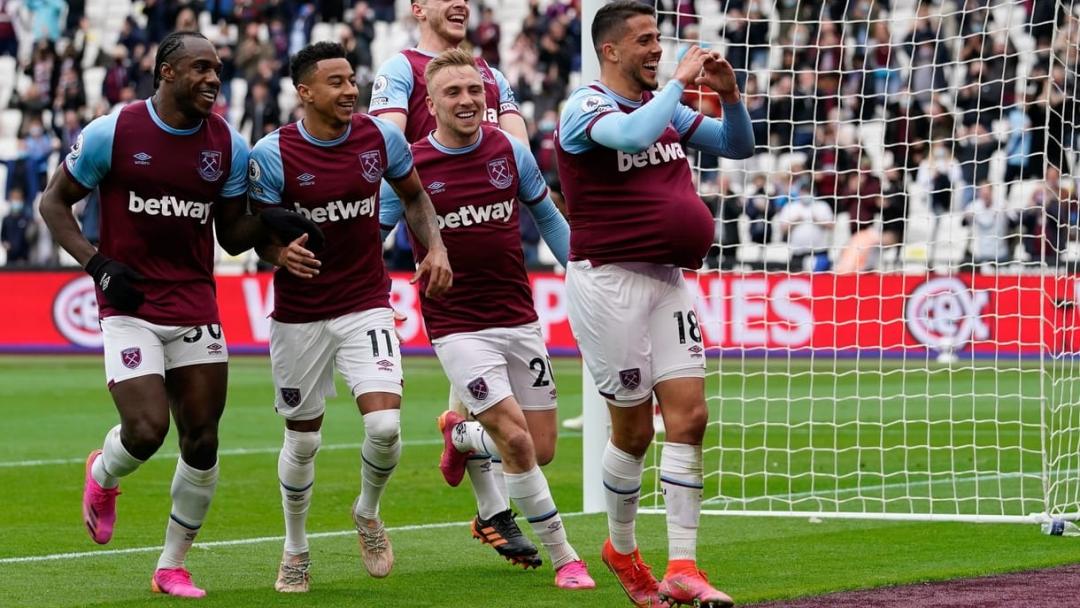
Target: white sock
column 380, row 454
column 470, row 435
column 115, row 461
column 622, row 488
column 192, row 490
column 484, row 468
column 488, row 484
column 296, row 478
column 530, row 492
column 681, row 479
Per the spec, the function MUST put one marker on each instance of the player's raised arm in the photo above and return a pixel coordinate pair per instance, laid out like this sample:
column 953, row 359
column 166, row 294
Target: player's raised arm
column 420, row 215
column 733, row 135
column 636, row 131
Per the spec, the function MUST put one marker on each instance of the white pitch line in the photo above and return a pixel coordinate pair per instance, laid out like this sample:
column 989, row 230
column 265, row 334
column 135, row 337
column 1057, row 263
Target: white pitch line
column 13, row 464
column 227, row 543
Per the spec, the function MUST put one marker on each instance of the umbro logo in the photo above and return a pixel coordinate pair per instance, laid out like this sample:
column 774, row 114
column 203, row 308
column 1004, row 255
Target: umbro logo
column 142, row 158
column 306, row 179
column 436, row 187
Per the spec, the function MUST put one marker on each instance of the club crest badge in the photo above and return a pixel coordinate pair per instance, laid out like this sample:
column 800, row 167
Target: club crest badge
column 371, row 164
column 290, row 396
column 210, row 165
column 630, row 378
column 478, row 388
column 131, row 357
column 498, row 171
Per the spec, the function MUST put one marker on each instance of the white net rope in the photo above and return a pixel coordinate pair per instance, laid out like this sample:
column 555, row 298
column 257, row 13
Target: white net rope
column 890, row 305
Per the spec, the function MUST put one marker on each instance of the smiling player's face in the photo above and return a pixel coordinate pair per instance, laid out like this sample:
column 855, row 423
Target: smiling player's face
column 639, row 51
column 456, row 98
column 447, row 18
column 198, row 77
column 332, row 90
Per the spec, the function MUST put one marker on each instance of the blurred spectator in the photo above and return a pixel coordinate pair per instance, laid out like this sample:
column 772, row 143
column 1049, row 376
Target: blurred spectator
column 261, row 112
column 974, row 152
column 37, row 147
column 726, row 207
column 759, row 210
column 543, row 145
column 520, row 69
column 16, row 233
column 806, row 224
column 45, row 18
column 894, row 208
column 117, row 76
column 486, row 37
column 991, row 226
column 9, row 40
column 382, row 10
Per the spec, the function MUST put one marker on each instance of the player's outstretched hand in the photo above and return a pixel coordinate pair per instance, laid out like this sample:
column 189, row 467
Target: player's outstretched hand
column 689, row 68
column 289, row 225
column 297, row 259
column 439, row 276
column 116, row 281
column 718, row 75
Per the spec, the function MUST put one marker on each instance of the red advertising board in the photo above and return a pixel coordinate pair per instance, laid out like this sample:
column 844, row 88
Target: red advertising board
column 991, row 315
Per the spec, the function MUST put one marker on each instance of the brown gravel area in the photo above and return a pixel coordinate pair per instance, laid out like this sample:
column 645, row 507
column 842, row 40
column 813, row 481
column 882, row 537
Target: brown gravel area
column 1050, row 588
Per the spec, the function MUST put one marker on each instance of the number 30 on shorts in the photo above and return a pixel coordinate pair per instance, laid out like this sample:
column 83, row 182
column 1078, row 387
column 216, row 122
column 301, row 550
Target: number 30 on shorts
column 688, row 321
column 195, row 334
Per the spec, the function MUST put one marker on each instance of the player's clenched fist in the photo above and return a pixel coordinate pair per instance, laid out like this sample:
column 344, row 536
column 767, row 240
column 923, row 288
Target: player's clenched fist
column 436, row 266
column 116, row 282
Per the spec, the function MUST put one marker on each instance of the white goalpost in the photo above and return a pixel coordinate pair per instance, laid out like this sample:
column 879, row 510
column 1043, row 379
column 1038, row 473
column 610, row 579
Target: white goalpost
column 892, row 310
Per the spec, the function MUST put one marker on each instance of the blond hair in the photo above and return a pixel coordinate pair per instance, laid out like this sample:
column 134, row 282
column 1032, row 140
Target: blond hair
column 449, row 59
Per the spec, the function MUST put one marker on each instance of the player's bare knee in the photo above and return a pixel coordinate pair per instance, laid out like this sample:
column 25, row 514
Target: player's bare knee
column 142, row 438
column 689, row 426
column 635, row 440
column 518, row 445
column 545, row 452
column 199, row 447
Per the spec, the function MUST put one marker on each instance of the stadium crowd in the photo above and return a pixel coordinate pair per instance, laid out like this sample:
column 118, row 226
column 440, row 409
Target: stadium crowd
column 860, row 122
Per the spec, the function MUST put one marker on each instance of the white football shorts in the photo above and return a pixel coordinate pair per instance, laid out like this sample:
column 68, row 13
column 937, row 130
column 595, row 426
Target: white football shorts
column 487, row 366
column 134, row 347
column 362, row 345
column 635, row 325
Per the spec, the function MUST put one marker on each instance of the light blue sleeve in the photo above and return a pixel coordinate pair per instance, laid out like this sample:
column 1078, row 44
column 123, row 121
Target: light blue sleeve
column 237, row 183
column 636, row 131
column 390, row 209
column 399, row 159
column 507, row 100
column 553, row 228
column 532, row 187
column 265, row 173
column 393, row 85
column 730, row 137
column 91, row 155
column 582, row 107
column 685, row 118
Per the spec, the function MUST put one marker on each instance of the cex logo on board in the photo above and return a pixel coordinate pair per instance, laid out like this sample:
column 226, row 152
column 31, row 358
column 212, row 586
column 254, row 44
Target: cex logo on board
column 75, row 313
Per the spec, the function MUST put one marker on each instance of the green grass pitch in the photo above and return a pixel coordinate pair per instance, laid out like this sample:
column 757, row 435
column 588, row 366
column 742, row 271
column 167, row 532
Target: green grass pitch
column 55, row 409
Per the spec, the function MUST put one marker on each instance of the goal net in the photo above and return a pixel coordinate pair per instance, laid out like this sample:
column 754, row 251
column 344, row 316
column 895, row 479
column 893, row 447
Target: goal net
column 890, row 308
